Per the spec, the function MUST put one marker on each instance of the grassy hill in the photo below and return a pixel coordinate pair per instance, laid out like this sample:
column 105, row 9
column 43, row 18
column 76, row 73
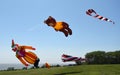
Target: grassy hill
column 69, row 70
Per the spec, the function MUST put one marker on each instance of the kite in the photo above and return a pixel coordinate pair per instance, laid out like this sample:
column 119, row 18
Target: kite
column 58, row 26
column 67, row 58
column 92, row 12
column 25, row 57
column 47, row 65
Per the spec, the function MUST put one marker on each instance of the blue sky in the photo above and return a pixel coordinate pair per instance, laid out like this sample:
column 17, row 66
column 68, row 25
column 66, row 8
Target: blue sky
column 22, row 20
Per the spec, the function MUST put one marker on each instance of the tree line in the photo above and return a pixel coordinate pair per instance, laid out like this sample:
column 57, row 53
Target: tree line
column 102, row 57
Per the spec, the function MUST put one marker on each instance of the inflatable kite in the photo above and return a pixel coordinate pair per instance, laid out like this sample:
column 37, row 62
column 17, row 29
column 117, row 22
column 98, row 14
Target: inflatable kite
column 67, row 58
column 47, row 65
column 58, row 26
column 26, row 57
column 92, row 12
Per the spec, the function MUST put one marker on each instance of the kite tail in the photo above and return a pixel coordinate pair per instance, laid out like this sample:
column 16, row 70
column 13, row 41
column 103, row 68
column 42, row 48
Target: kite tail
column 112, row 21
column 92, row 12
column 103, row 18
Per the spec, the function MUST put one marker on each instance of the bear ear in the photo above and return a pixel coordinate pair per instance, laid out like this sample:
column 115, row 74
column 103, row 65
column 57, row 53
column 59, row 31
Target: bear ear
column 44, row 21
column 50, row 16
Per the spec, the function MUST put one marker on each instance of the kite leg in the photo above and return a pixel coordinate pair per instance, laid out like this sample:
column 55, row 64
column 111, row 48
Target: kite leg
column 22, row 60
column 36, row 63
column 69, row 31
column 65, row 32
column 66, row 26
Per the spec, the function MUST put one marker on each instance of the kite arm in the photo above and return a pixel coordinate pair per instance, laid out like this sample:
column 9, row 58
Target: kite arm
column 28, row 47
column 21, row 60
column 55, row 29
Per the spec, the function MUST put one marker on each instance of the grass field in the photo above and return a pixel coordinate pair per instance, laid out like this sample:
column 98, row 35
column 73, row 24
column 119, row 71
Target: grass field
column 69, row 70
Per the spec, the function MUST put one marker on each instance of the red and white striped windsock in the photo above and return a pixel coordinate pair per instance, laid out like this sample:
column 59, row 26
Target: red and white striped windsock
column 92, row 12
column 66, row 58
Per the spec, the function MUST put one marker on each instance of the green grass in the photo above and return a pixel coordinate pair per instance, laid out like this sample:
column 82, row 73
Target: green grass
column 70, row 70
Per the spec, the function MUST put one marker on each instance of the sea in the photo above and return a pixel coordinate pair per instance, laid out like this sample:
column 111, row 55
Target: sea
column 15, row 66
column 6, row 66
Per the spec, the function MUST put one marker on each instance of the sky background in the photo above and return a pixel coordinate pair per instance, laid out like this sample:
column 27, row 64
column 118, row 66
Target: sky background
column 23, row 21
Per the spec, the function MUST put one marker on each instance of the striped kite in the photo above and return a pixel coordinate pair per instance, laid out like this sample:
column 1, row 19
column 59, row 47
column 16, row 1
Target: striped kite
column 92, row 12
column 67, row 58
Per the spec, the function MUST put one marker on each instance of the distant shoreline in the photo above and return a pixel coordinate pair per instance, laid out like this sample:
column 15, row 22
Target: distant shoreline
column 6, row 66
column 20, row 66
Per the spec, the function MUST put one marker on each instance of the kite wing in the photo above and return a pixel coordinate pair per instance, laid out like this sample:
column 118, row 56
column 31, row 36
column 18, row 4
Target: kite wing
column 92, row 12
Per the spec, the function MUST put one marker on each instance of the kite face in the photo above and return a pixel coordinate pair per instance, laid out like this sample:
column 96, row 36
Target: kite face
column 15, row 47
column 50, row 21
column 58, row 26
